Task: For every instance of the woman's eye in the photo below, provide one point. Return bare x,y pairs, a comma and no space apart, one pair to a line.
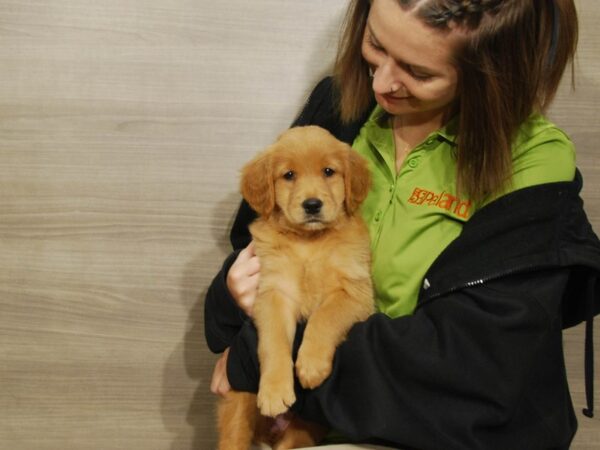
289,175
421,76
328,171
374,45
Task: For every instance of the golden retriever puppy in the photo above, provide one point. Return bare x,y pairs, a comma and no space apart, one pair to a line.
315,265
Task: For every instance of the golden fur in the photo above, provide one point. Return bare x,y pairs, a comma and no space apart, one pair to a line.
315,266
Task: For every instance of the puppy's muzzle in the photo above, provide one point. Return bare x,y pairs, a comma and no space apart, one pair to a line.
312,206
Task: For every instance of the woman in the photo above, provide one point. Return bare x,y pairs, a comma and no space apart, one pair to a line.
481,250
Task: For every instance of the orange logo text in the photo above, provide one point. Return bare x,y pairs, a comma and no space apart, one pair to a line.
449,202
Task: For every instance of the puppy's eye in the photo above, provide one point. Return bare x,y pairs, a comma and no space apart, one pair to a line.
290,175
328,171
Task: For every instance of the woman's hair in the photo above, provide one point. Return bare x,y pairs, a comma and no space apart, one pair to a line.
509,65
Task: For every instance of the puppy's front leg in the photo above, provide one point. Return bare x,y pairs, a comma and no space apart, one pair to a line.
326,329
275,320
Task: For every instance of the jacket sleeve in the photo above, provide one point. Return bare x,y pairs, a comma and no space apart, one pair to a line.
222,317
455,368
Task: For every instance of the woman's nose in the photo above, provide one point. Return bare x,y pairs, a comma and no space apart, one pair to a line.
385,78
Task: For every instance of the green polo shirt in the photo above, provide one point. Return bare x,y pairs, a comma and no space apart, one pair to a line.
413,214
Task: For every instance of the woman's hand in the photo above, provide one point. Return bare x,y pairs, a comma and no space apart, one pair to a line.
242,279
220,384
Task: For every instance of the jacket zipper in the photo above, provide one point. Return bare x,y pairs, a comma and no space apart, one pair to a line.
473,283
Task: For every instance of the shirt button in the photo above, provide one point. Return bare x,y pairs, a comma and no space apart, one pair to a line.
413,163
378,216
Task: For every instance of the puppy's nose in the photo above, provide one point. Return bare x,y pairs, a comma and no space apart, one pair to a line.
312,205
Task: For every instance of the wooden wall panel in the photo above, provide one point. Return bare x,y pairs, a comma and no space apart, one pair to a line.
123,126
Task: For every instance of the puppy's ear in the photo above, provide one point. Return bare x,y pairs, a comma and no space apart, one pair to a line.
256,184
357,180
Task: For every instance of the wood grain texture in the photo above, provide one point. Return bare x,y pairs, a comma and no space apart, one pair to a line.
123,126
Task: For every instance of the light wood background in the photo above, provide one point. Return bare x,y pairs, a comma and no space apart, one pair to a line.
123,126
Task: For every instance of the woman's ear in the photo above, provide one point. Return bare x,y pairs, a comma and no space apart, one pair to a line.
256,184
357,180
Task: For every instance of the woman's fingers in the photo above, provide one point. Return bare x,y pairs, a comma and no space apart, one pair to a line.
243,277
219,383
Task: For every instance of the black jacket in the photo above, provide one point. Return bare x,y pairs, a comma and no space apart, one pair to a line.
479,365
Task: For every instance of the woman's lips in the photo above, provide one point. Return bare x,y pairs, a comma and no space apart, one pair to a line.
393,98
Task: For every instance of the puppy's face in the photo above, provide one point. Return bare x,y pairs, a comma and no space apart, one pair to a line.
307,178
309,186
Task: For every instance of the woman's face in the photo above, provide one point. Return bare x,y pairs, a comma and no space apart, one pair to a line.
413,74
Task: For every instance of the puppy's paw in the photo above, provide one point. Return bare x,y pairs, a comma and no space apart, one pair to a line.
312,367
275,396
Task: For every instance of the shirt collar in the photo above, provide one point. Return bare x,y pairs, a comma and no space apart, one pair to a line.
378,128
